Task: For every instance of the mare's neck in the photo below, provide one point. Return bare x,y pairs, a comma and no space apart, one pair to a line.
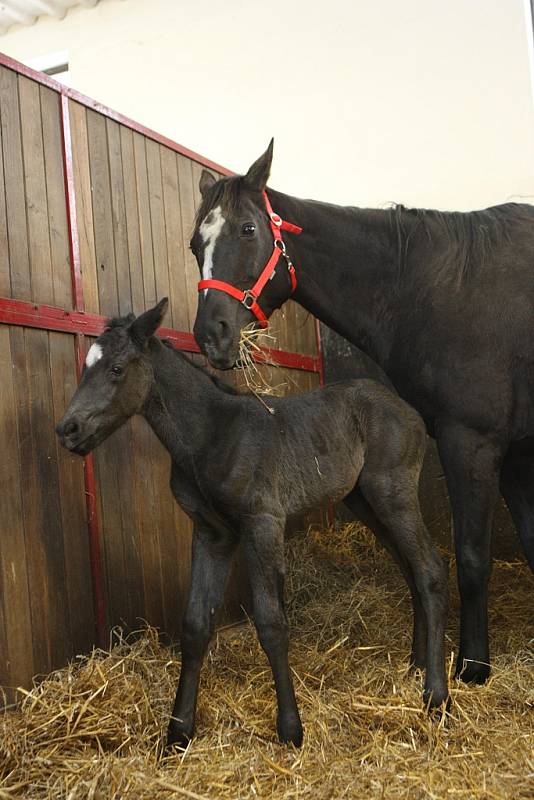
184,405
347,269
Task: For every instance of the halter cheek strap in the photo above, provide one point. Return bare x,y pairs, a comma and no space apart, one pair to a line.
249,298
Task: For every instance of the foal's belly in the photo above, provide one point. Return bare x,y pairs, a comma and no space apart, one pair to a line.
325,480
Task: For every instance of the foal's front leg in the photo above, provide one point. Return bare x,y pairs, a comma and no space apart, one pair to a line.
211,559
263,538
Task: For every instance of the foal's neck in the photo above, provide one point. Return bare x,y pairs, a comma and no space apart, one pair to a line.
347,268
184,406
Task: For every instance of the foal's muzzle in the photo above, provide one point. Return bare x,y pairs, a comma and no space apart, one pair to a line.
74,435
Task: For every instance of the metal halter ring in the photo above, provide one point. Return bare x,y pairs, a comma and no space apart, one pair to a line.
281,245
248,300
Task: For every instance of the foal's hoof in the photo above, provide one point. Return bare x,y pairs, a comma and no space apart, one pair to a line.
290,730
437,703
472,671
178,735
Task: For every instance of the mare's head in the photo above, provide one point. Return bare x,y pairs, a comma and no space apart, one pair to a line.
115,382
232,242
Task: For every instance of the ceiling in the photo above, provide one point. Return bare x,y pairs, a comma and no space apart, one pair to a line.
26,12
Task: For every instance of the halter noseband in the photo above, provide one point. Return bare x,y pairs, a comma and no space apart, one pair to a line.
249,298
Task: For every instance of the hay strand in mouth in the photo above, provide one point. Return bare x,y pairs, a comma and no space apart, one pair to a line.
257,376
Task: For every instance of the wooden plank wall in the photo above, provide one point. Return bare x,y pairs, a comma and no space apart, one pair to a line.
136,200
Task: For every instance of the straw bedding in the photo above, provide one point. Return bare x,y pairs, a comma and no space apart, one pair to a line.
92,730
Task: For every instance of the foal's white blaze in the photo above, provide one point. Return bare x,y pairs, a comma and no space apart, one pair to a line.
210,229
95,354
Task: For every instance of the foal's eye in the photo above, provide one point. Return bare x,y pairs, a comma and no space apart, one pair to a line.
116,370
248,229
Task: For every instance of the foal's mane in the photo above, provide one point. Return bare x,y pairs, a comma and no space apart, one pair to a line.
124,322
218,382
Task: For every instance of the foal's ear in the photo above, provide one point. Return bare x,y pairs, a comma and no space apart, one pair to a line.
258,174
206,182
147,324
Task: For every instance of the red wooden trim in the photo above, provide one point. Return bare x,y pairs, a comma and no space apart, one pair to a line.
50,318
93,526
67,92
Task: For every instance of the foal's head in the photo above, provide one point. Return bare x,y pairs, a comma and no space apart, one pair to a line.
115,381
232,242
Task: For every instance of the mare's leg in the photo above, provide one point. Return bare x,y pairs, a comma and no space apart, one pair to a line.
517,487
393,495
263,538
472,464
211,559
359,506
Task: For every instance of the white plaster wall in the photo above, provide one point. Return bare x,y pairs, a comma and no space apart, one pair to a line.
424,102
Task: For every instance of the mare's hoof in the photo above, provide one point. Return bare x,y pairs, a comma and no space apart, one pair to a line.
472,671
178,735
290,730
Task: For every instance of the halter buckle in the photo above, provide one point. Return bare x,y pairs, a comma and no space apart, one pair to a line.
248,300
276,219
281,245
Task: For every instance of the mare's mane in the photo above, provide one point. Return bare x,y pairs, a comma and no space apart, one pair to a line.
461,241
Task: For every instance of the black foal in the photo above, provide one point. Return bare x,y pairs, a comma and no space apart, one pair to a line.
239,473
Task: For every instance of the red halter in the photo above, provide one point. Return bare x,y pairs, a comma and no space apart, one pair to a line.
249,298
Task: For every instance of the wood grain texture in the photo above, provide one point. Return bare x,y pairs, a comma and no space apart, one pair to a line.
16,654
102,214
55,194
135,202
84,206
17,228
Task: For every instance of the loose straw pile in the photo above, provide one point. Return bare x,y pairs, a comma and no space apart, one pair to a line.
93,730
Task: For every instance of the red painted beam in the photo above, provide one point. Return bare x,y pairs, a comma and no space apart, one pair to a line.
50,318
93,524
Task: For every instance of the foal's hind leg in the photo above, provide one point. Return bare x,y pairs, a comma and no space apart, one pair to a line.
517,487
263,538
394,499
211,559
359,506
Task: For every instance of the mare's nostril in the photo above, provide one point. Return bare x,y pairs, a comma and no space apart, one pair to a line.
223,329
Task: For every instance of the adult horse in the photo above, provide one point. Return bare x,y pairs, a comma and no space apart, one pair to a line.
444,302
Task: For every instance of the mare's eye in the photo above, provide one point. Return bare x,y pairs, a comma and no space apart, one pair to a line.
116,370
248,229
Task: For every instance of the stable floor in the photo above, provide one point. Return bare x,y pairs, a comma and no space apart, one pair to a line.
93,730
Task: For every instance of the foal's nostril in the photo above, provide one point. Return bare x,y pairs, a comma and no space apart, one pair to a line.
71,428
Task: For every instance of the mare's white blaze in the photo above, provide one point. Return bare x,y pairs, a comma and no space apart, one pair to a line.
95,354
209,230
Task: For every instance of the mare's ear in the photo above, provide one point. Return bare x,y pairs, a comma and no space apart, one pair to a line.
258,174
206,182
147,324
